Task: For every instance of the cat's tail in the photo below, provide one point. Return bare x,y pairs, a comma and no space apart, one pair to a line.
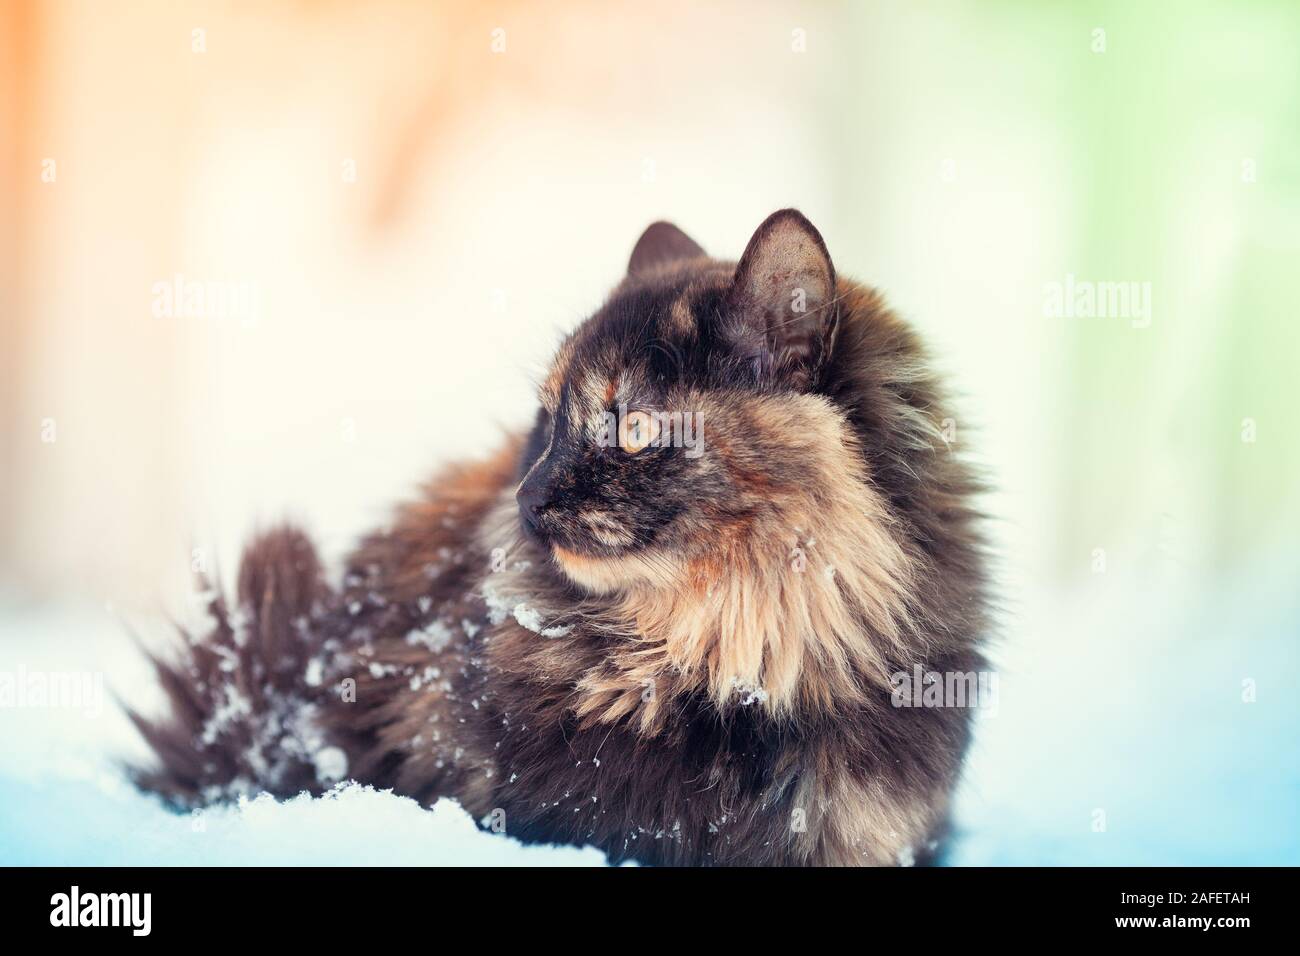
242,697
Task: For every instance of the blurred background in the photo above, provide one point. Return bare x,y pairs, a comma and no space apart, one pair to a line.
281,259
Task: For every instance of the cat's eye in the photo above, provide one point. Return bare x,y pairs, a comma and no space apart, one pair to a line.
636,431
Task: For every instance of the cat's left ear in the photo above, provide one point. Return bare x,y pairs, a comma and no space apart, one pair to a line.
780,312
660,245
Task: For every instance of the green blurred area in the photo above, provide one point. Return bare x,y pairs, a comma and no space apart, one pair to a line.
1143,142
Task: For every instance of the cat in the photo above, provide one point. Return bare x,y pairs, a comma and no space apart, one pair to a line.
663,622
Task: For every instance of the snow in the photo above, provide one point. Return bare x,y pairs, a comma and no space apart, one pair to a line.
1123,735
435,635
331,764
64,799
97,820
530,618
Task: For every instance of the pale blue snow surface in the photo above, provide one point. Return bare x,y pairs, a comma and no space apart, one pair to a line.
97,822
1164,731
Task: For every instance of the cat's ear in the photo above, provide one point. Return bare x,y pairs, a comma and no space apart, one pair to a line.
661,244
780,312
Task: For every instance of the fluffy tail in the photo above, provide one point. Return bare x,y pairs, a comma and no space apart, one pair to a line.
242,698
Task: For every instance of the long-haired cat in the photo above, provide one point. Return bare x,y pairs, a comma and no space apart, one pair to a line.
666,621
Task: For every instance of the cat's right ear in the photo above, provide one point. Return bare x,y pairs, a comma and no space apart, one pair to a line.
780,312
660,245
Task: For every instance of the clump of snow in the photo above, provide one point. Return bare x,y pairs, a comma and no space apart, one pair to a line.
530,618
435,635
233,708
749,693
498,607
428,676
331,764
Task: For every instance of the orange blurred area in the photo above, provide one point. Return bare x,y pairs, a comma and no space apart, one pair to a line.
381,216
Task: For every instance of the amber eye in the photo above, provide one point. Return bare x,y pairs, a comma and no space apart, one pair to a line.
636,431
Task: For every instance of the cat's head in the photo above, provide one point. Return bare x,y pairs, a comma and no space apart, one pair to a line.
688,414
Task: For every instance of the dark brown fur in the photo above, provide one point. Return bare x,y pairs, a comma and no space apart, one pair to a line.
571,680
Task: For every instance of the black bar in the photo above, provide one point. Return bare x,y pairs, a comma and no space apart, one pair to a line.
364,906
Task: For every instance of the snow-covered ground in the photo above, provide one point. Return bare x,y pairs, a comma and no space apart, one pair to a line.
1123,734
65,800
1157,729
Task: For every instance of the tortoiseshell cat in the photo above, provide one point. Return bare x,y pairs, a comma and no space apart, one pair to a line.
664,621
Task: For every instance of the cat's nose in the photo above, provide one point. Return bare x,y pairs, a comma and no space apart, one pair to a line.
532,498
